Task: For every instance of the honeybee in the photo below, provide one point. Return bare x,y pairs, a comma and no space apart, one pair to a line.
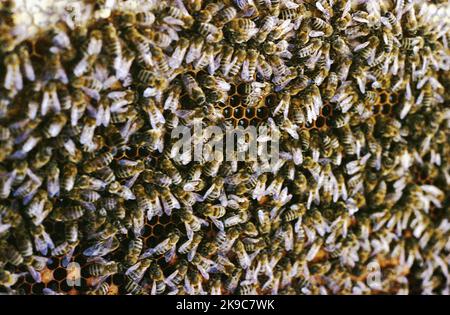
202,263
102,269
235,219
10,254
191,222
249,65
69,175
111,41
35,209
27,66
176,278
213,211
212,34
160,61
232,282
321,25
42,157
168,200
78,107
268,23
106,175
137,271
411,20
102,247
89,84
278,66
13,80
156,274
242,29
310,49
193,89
99,162
179,53
295,211
131,287
145,19
215,191
216,286
28,188
167,247
121,190
224,16
90,183
68,213
314,249
103,289
65,249
377,197
178,14
190,246
300,83
127,168
206,15
236,63
42,239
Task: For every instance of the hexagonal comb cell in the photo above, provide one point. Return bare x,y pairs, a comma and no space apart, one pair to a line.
385,102
241,111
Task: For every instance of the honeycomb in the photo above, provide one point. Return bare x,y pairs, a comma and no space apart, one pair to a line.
385,103
238,113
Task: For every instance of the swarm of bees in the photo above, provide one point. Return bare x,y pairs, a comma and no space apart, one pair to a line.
95,200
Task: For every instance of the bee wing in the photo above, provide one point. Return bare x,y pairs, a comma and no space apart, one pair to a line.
4,228
98,248
183,246
81,67
245,74
298,225
148,253
129,183
188,287
289,242
166,206
36,275
53,187
213,65
132,268
48,242
157,118
312,252
41,246
297,156
88,205
94,47
170,254
259,191
48,291
158,207
208,192
68,257
191,185
175,202
138,225
218,224
189,231
177,57
204,273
